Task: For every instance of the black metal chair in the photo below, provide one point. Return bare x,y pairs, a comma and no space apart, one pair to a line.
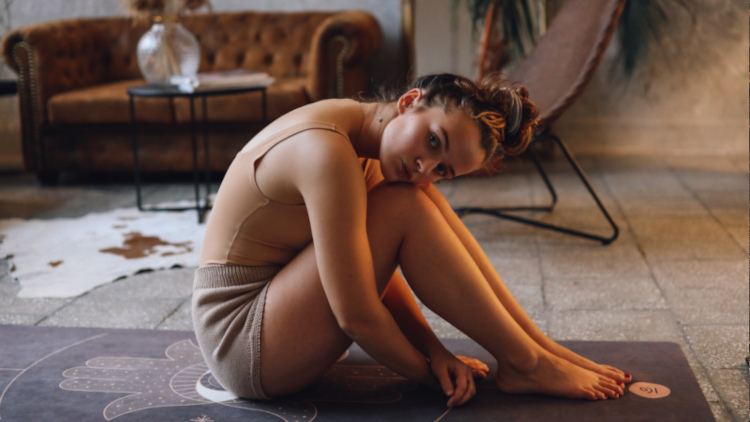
556,72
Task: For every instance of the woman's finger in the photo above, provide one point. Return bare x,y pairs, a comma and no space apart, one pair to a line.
445,381
462,386
468,394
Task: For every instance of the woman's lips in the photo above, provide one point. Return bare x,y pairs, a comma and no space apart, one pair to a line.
405,172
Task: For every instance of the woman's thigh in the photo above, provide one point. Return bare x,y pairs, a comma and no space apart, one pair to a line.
300,338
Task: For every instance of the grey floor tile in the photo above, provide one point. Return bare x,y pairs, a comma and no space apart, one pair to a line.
505,189
646,184
608,325
616,261
664,206
683,238
709,306
709,174
489,229
719,347
714,163
517,271
570,190
113,313
180,320
740,235
589,220
699,274
721,412
732,386
530,298
730,217
174,283
701,374
723,200
34,306
603,294
20,319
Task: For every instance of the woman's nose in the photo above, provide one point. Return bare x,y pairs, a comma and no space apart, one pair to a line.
425,165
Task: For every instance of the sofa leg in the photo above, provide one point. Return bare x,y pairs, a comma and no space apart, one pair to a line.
48,178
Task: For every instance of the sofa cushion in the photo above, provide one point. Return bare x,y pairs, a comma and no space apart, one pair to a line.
109,103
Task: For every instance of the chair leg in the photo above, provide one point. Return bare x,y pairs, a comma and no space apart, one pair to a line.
503,212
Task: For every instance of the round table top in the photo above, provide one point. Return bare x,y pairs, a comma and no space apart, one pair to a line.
150,90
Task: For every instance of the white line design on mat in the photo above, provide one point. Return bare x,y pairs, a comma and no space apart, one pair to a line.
33,364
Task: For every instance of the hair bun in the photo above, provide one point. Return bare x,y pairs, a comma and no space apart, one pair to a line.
516,140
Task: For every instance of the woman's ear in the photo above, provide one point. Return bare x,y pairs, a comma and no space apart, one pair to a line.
409,99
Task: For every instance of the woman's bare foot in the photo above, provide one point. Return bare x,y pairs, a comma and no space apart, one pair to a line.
550,375
605,370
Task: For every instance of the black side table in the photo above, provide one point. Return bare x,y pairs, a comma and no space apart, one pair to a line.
8,87
171,91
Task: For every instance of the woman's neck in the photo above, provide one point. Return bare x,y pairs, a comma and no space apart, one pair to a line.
376,118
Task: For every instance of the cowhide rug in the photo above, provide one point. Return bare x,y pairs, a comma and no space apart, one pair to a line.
67,257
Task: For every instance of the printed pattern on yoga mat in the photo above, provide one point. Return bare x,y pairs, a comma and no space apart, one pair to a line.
87,374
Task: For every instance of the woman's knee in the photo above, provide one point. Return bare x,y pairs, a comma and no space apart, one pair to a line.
400,199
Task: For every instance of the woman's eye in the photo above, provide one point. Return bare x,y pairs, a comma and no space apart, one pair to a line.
441,170
434,141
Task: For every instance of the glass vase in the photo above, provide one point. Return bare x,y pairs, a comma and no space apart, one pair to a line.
166,50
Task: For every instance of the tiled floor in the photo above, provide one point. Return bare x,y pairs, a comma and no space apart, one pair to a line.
678,271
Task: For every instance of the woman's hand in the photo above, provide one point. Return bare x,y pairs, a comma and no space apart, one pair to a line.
456,378
479,369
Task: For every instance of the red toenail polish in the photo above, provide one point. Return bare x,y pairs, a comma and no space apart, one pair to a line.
627,375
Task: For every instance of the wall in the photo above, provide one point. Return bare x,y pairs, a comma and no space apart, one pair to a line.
691,90
443,38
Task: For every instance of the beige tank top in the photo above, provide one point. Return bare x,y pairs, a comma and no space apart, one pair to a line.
246,227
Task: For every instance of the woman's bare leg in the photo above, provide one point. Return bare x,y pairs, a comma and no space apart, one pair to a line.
507,299
301,339
445,277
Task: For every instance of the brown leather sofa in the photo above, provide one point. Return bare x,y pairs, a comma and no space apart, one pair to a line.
73,76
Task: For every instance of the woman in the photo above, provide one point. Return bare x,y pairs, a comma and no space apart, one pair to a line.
301,251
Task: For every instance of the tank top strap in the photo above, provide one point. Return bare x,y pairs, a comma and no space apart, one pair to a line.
262,146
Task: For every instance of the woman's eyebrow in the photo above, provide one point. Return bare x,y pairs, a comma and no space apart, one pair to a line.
445,136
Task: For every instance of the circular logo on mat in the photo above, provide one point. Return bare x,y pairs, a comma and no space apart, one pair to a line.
649,390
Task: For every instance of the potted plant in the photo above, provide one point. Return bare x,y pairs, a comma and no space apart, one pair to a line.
510,28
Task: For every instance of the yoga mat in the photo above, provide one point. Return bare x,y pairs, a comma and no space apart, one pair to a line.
89,374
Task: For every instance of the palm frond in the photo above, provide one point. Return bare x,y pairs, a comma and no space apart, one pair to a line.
521,21
642,27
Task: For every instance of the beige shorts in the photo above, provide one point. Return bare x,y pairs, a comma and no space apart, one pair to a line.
228,303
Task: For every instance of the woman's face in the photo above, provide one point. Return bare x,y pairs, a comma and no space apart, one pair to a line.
423,145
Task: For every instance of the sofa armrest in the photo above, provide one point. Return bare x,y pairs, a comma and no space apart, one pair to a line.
54,57
60,56
341,47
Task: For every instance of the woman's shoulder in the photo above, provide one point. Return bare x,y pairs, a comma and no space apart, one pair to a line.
342,112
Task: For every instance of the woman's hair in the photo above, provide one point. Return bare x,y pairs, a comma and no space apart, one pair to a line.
503,113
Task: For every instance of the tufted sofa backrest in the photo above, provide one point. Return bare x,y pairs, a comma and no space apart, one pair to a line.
85,52
276,43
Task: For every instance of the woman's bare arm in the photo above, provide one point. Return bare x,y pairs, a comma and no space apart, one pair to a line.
327,174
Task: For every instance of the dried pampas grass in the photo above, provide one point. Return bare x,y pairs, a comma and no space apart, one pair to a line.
166,9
